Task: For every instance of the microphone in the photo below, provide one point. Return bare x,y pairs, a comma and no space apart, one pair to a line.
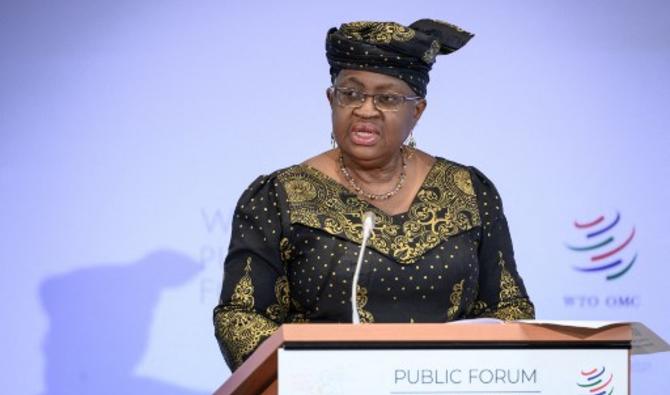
368,226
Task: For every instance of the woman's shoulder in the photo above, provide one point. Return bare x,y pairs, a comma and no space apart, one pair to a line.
317,165
476,175
474,187
468,178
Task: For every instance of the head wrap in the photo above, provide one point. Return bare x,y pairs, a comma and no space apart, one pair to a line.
407,53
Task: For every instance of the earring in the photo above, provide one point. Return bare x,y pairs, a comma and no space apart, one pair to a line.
333,143
410,146
411,143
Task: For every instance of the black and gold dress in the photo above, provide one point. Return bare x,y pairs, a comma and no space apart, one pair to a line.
295,242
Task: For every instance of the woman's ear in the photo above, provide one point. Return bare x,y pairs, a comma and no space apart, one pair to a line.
329,95
418,110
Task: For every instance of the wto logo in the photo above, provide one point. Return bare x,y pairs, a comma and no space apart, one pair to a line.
596,383
605,243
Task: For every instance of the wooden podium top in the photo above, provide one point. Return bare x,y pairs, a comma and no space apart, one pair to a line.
257,374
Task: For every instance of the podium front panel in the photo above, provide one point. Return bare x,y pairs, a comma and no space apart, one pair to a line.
597,371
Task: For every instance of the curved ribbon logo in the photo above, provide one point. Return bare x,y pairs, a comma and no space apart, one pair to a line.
606,254
596,382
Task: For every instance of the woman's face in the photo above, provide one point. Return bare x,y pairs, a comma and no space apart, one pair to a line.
367,134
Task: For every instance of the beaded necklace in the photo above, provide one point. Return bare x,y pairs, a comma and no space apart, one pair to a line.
374,196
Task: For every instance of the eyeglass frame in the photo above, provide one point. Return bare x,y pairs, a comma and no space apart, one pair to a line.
333,91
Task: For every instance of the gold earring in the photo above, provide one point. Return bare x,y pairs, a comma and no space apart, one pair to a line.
410,146
411,143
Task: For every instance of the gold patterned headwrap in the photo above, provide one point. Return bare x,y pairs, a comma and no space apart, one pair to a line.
407,53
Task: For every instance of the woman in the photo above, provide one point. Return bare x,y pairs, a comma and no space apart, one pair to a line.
441,249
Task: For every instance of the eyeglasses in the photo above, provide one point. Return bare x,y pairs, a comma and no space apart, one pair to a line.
349,97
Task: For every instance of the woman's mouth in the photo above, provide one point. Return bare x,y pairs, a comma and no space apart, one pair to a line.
364,134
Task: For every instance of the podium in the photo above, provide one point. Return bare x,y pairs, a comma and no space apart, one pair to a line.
456,358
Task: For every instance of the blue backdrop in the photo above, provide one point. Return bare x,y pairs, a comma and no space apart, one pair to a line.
129,129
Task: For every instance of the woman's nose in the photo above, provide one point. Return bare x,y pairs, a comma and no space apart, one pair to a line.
368,107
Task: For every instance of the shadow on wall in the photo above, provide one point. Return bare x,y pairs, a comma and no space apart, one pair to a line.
99,320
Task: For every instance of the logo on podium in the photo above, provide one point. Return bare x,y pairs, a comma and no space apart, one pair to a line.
596,382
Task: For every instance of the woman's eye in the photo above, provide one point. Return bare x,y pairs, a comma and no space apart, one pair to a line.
388,99
352,94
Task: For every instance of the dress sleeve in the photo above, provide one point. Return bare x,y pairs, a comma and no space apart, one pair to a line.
501,291
254,297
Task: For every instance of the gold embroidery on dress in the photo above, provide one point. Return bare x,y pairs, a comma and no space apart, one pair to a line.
238,327
243,293
478,308
299,318
377,32
444,206
508,288
299,190
242,332
286,250
298,315
455,299
361,300
512,305
279,310
464,182
520,309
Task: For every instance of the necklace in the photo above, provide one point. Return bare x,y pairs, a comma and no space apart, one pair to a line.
374,196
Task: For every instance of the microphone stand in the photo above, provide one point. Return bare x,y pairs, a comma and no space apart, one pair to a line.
368,225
